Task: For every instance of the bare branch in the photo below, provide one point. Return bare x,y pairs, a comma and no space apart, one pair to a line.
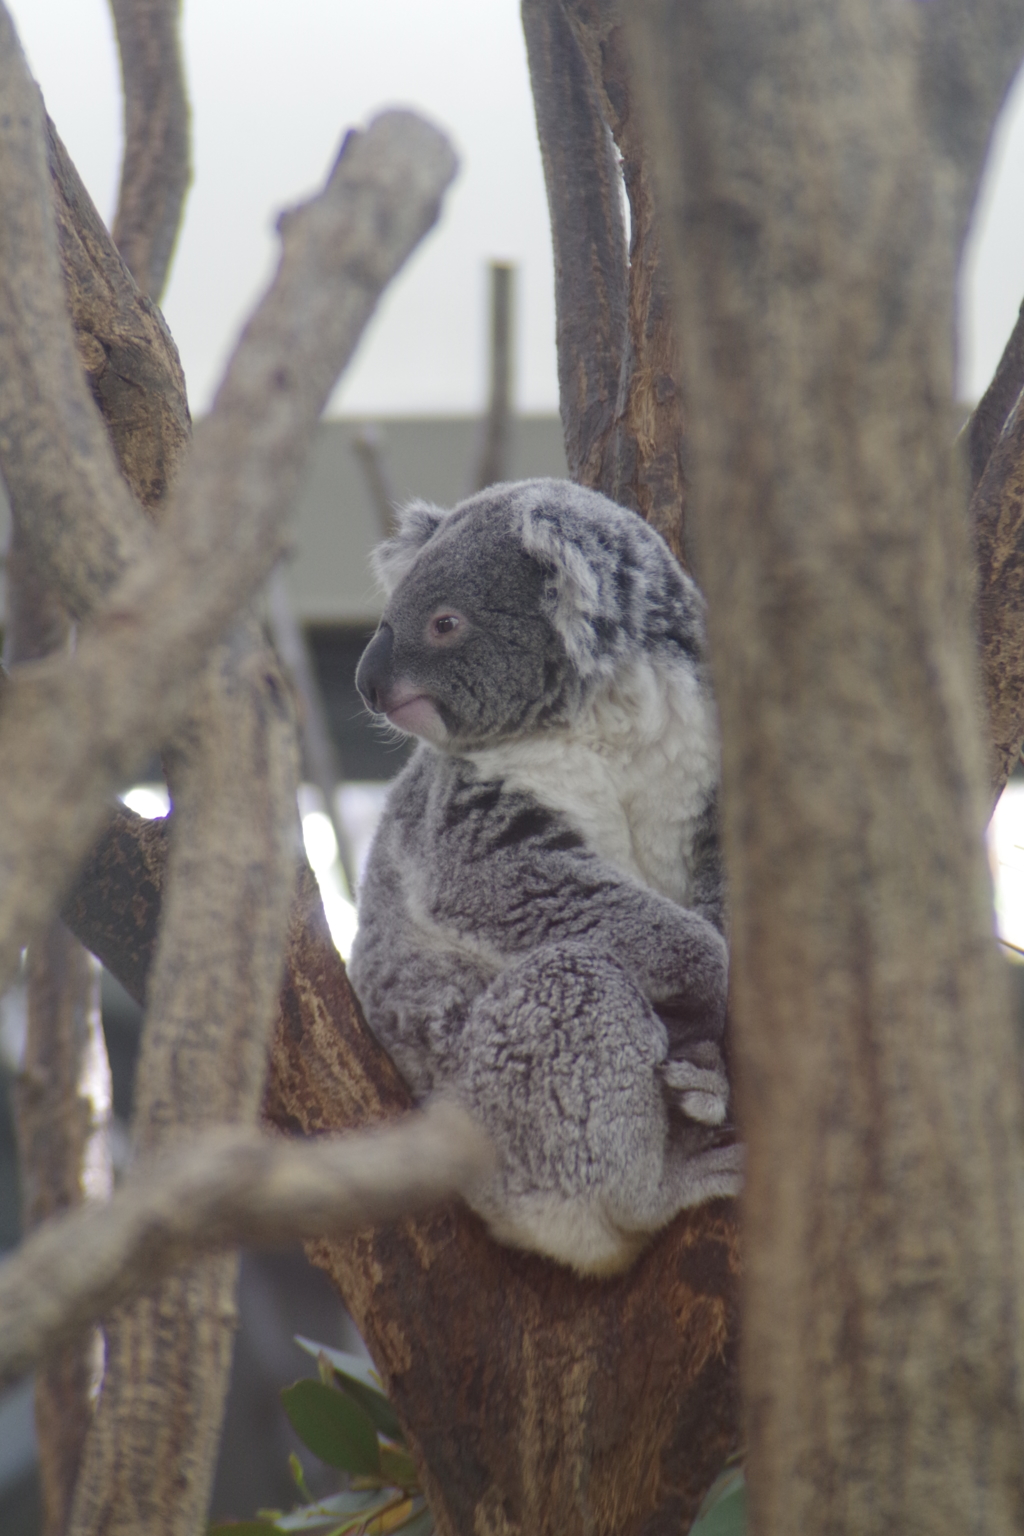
156,172
229,1187
646,463
114,907
997,520
588,235
56,457
992,412
71,733
131,363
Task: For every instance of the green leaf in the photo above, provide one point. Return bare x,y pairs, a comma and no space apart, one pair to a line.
333,1427
345,1364
419,1524
375,1405
398,1468
239,1528
358,1506
299,1477
362,1384
724,1511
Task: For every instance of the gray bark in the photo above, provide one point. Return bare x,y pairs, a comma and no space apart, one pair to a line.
816,166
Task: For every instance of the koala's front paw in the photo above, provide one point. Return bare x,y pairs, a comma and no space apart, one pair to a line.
698,1083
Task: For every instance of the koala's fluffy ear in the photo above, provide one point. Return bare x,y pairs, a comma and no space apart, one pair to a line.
578,596
418,521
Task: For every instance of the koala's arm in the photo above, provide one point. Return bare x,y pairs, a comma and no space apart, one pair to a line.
516,875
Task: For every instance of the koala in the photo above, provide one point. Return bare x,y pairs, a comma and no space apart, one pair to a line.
541,918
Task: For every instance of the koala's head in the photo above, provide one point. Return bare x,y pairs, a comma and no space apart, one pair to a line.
506,614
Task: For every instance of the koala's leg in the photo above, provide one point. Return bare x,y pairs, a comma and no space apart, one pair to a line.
562,1061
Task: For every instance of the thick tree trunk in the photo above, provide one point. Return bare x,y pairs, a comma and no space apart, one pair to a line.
815,192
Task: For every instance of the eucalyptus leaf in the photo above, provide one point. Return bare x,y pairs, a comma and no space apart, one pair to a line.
362,1384
313,1517
420,1524
239,1528
375,1405
354,1366
333,1427
724,1511
398,1467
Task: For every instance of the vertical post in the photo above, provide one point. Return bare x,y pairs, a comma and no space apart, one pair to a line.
497,433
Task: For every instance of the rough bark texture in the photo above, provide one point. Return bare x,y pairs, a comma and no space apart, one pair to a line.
54,1120
997,518
131,363
998,508
814,190
53,1123
648,457
156,172
588,237
995,406
151,1453
617,342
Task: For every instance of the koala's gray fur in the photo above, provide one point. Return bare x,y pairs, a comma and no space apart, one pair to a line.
540,923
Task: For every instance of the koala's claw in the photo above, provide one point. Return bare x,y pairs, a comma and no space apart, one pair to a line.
700,1086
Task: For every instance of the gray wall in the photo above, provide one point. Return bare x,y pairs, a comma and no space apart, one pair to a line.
337,525
329,577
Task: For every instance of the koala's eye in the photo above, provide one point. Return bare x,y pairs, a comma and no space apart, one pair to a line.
443,625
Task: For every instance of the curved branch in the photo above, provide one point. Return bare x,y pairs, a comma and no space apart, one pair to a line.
228,1187
72,732
997,520
992,412
131,363
156,171
588,236
647,460
57,461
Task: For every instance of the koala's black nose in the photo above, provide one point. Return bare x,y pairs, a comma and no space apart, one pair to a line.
374,671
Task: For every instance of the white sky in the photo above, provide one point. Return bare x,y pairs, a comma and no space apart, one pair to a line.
273,85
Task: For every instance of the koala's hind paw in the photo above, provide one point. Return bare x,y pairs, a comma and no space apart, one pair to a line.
699,1084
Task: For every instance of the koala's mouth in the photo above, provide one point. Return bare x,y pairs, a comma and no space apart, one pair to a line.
416,714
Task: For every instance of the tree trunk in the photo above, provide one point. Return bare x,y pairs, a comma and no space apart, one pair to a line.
814,193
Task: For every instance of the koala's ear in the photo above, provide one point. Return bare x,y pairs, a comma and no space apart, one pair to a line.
575,596
417,522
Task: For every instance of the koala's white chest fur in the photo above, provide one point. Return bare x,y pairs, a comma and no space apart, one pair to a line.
632,774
